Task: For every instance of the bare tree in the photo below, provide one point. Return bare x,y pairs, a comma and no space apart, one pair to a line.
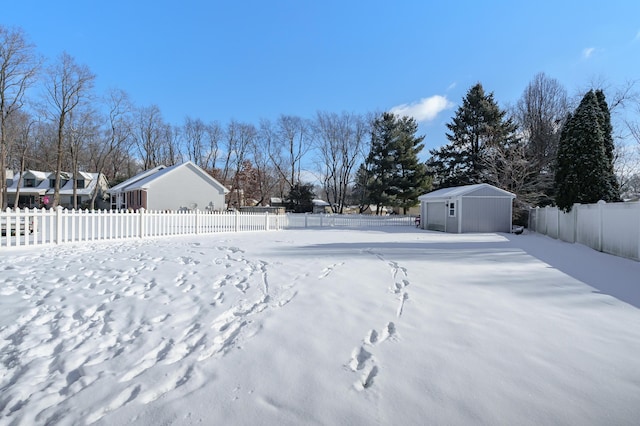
290,141
202,142
539,114
115,135
68,85
150,134
340,139
18,68
20,129
239,138
267,177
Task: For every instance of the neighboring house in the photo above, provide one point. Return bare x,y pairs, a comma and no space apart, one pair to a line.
320,206
470,208
181,187
35,189
373,210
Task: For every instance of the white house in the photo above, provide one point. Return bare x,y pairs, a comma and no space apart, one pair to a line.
471,208
35,189
178,187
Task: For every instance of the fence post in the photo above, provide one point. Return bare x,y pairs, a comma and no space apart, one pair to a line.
141,222
58,225
235,221
197,221
601,204
266,221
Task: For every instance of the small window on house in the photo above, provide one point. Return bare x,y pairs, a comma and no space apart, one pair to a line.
80,184
52,183
29,183
452,209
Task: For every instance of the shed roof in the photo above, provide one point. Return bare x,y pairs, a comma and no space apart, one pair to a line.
460,191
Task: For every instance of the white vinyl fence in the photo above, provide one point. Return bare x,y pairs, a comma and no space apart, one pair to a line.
611,228
34,227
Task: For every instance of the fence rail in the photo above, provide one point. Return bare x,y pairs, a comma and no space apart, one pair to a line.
34,227
611,228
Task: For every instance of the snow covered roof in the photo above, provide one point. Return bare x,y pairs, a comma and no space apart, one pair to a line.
43,185
318,202
458,191
122,186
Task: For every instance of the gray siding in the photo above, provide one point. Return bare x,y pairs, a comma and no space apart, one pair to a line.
436,216
486,214
183,188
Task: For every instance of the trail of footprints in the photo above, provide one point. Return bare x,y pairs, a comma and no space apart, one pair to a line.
363,360
50,331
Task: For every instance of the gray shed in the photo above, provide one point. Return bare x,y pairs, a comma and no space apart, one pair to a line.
470,208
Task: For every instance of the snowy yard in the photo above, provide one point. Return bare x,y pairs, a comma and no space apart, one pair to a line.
331,327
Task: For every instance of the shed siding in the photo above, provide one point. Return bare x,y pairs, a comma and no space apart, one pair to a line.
436,216
486,214
187,189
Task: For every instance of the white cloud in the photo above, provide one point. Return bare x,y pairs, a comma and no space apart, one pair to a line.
425,109
452,86
586,53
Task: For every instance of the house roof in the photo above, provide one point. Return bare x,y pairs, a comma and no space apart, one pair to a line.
458,191
144,179
121,187
91,180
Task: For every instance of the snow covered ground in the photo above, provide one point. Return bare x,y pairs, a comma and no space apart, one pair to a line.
331,327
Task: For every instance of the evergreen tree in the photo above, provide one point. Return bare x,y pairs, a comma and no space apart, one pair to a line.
478,127
609,146
300,198
395,175
584,166
410,179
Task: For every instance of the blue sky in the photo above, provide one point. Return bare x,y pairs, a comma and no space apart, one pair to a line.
248,60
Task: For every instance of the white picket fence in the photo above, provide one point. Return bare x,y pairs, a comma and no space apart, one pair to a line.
611,228
21,228
34,227
347,220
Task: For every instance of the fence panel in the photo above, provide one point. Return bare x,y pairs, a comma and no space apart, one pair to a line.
612,228
621,229
589,220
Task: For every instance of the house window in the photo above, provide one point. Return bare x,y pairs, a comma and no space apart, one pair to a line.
29,183
80,184
52,183
452,209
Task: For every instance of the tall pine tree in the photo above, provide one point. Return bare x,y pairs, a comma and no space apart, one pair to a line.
478,126
584,166
395,175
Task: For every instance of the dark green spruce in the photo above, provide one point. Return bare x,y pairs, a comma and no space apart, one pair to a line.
584,165
392,173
